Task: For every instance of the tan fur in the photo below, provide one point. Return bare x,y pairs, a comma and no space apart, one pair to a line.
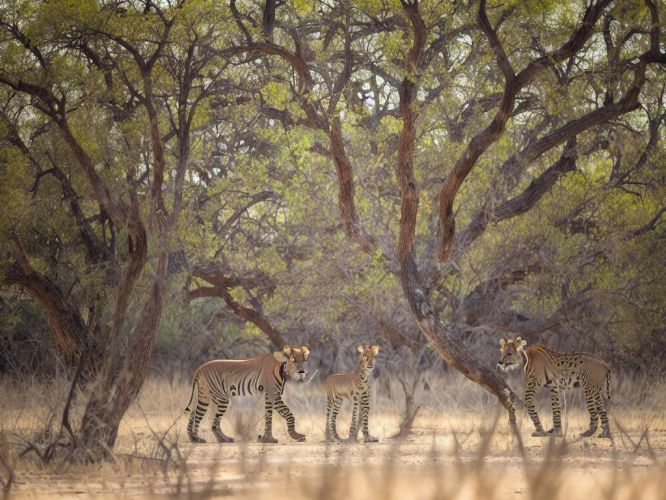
220,380
545,367
355,387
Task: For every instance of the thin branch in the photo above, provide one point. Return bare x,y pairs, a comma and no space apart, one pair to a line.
650,226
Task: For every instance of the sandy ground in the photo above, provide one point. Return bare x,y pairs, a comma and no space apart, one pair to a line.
451,453
421,466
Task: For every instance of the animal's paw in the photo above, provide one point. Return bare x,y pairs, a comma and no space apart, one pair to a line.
267,439
297,436
197,439
222,437
588,432
605,434
370,439
555,432
332,438
539,433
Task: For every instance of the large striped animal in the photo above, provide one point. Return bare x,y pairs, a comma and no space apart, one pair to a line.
219,380
356,387
555,370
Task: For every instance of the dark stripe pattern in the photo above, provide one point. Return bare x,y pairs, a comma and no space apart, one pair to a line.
218,384
360,397
564,371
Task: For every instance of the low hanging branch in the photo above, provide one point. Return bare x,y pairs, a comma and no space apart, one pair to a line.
221,287
70,333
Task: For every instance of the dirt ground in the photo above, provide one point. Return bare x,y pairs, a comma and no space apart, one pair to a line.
464,452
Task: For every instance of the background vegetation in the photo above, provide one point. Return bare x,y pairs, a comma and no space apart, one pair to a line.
186,180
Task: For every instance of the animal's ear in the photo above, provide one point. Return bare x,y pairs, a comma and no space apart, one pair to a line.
306,352
375,349
502,343
279,357
359,348
521,343
286,351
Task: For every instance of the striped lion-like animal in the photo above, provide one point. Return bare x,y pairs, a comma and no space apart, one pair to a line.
356,387
555,370
219,380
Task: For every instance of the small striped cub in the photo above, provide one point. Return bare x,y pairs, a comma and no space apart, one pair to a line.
354,386
555,370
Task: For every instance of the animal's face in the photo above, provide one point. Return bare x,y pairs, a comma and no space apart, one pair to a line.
295,359
511,354
367,355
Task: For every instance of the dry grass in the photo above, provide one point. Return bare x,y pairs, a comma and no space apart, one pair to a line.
460,447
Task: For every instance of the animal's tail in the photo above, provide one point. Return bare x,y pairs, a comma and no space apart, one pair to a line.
608,385
195,383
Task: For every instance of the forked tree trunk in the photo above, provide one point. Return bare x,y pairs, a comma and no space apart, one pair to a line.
452,350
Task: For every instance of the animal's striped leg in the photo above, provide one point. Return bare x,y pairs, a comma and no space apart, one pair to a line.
268,415
195,419
221,437
556,404
591,405
285,412
365,410
603,415
353,430
332,407
530,391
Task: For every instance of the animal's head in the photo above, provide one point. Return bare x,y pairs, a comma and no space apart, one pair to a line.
295,361
511,353
367,355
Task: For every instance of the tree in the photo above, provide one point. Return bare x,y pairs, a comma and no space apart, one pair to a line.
321,82
95,76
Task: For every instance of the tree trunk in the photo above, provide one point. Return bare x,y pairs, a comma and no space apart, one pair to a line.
452,350
449,348
113,396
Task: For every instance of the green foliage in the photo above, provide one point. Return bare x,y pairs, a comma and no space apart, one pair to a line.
249,134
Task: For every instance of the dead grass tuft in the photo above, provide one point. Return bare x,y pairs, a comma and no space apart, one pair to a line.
459,446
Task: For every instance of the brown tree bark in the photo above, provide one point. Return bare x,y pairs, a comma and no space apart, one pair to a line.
489,135
351,223
114,393
221,285
70,333
450,349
